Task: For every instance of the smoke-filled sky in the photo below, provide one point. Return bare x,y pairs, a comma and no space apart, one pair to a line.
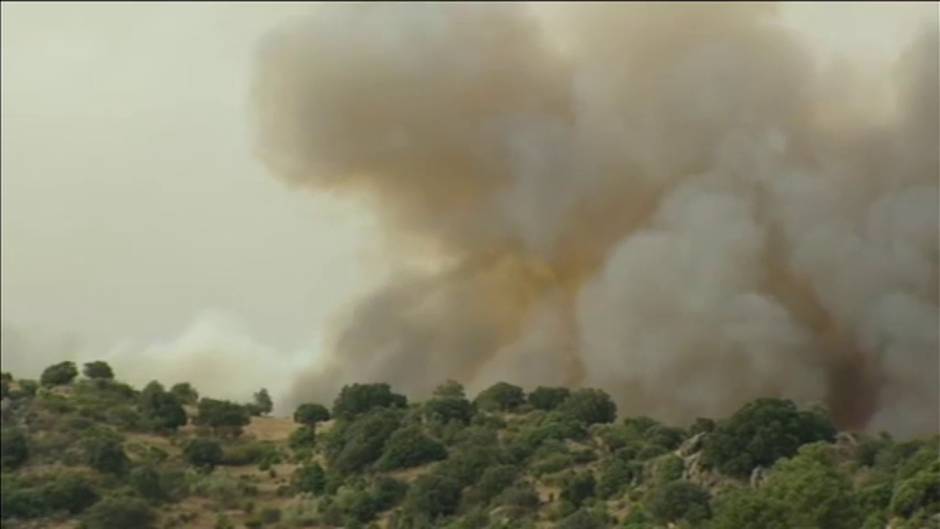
688,205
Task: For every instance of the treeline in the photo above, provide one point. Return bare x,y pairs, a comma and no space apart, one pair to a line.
553,457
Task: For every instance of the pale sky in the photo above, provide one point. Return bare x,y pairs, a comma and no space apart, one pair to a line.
134,212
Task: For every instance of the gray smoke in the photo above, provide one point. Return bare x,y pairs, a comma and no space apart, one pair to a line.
667,201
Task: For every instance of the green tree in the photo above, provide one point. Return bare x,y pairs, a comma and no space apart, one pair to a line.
262,404
185,393
98,370
224,417
161,408
545,398
815,491
409,447
59,374
762,432
120,513
446,409
501,396
450,390
358,399
361,442
590,406
204,454
680,500
310,414
747,508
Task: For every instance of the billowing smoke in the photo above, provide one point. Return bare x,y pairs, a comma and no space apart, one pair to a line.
672,202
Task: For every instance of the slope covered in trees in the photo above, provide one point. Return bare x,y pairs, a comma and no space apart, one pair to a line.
94,452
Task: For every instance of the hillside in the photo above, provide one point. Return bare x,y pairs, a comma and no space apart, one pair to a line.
91,451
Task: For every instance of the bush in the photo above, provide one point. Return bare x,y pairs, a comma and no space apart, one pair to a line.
446,409
589,406
71,493
746,508
302,438
59,374
762,432
105,453
615,476
578,487
409,447
388,492
450,389
162,409
146,481
310,414
358,399
310,479
98,370
120,513
14,448
185,393
548,399
224,417
494,481
204,454
433,495
467,463
361,442
500,397
680,500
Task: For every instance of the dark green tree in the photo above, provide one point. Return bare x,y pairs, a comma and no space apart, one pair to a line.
433,495
762,432
120,513
310,414
409,447
161,408
224,417
357,399
262,404
545,398
105,453
185,392
59,374
590,406
501,396
578,487
680,500
98,370
204,454
14,448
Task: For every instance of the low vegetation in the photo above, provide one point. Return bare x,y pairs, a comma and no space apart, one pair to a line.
90,451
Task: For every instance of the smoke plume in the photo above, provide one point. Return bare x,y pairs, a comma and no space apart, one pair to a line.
671,202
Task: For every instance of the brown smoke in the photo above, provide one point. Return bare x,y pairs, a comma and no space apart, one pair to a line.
668,201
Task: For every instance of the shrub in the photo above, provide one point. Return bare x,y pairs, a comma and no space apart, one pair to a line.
72,493
388,492
409,447
270,515
105,453
500,397
582,519
14,448
98,370
362,441
494,480
162,409
548,399
310,414
28,388
59,374
450,389
309,478
615,476
589,406
520,495
446,409
762,432
679,500
120,513
357,399
204,454
467,463
222,416
301,438
433,495
745,508
578,488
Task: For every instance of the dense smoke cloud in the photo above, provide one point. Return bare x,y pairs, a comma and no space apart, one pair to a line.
669,202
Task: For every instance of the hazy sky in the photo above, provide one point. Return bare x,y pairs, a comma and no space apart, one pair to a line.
135,216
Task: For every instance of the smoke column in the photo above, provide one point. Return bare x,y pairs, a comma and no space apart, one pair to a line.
671,202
